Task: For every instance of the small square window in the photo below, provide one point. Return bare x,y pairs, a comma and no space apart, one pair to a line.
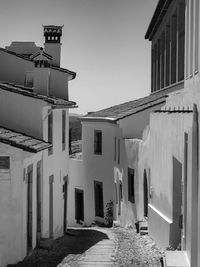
4,163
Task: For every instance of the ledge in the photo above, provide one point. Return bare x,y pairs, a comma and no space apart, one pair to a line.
160,214
176,259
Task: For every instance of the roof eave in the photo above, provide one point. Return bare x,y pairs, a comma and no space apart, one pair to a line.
142,109
99,119
23,147
159,13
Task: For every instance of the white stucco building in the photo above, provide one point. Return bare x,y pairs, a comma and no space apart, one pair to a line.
174,135
21,158
34,101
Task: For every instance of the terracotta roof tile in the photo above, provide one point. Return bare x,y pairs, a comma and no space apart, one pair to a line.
22,141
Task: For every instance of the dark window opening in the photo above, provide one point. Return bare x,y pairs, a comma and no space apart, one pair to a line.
50,131
97,142
4,163
63,129
118,151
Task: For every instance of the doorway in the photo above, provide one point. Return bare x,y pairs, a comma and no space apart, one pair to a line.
65,188
98,195
79,205
29,207
51,179
39,202
145,190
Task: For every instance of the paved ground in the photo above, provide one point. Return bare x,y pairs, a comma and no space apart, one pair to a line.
97,247
102,254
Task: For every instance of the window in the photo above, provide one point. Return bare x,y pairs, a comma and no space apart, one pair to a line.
4,163
50,131
63,129
118,151
120,191
120,198
131,189
97,142
115,149
116,196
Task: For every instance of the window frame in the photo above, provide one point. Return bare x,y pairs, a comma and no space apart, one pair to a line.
131,185
7,167
50,131
63,129
98,138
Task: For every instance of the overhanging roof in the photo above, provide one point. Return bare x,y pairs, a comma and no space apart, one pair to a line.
22,141
29,92
158,15
118,112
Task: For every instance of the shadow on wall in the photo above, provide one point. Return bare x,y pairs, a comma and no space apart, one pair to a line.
75,243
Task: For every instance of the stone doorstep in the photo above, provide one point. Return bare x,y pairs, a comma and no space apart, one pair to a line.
87,264
176,259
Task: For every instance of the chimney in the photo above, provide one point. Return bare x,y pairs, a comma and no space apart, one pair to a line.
52,43
41,72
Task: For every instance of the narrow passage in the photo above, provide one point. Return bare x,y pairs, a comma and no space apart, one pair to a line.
98,247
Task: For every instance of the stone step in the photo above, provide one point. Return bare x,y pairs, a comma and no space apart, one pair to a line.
143,228
144,232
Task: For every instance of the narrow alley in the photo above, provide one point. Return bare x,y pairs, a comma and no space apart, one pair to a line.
97,246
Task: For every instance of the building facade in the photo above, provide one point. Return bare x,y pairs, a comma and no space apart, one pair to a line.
34,100
174,161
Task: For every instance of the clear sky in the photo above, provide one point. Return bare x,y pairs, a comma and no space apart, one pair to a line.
103,42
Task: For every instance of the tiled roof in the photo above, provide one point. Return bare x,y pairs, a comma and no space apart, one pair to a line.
51,66
22,141
26,91
124,110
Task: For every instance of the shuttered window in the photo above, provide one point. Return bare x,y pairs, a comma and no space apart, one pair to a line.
98,142
131,186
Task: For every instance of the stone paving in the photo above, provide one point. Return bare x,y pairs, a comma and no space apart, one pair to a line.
101,254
